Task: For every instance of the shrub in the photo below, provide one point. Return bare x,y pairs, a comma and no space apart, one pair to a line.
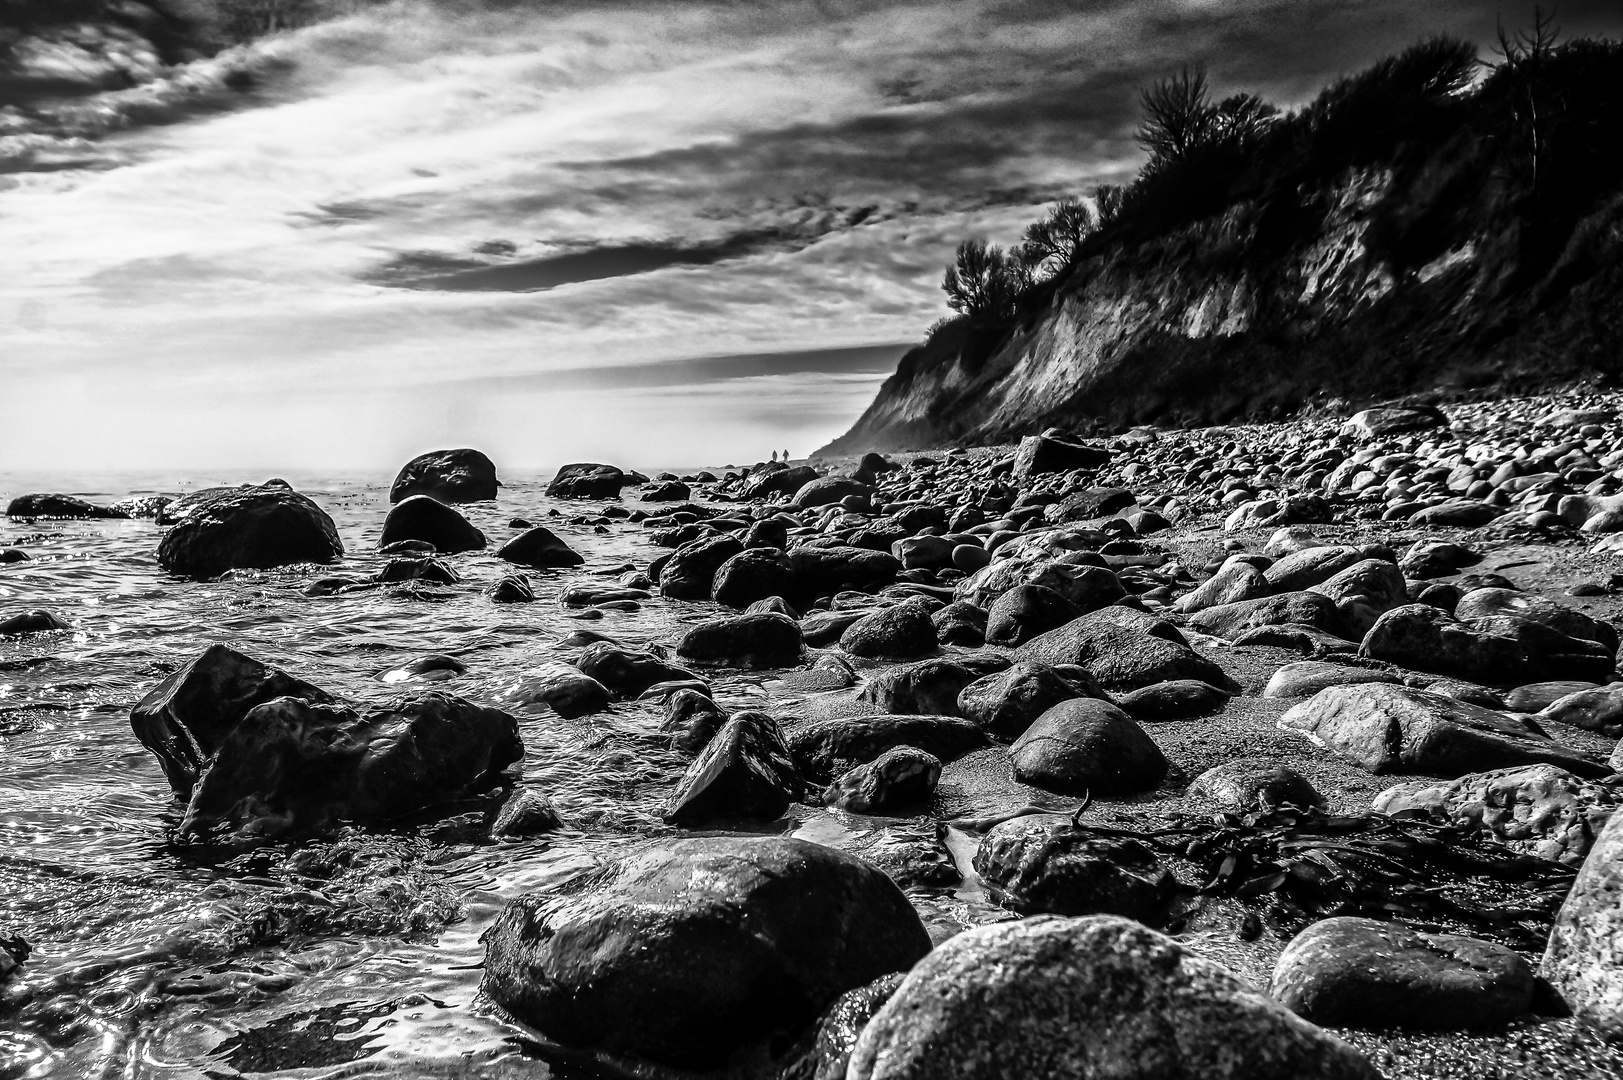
984,281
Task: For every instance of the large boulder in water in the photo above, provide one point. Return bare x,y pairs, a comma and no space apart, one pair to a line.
184,719
687,951
825,749
587,480
59,506
690,571
290,766
540,547
744,771
1096,997
451,476
421,517
249,528
824,571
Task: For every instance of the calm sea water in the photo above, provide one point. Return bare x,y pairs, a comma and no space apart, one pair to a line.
147,961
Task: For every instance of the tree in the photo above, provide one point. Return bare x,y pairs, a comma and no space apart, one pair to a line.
1178,115
1108,200
1055,242
1525,60
983,283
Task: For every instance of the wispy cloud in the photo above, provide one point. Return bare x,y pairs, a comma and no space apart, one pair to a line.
351,232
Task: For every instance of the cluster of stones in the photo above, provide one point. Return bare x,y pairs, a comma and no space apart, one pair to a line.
1033,610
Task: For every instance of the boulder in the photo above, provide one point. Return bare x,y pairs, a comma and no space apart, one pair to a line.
1085,745
930,687
690,571
1536,697
668,491
563,688
961,623
1493,650
1120,658
451,476
184,719
1538,809
779,481
768,639
587,480
825,749
692,720
1043,863
1393,420
511,589
1436,558
756,573
1176,699
1598,709
1364,591
1458,513
1235,581
37,621
923,552
291,766
1089,503
539,547
433,571
1100,997
420,517
527,812
1584,958
1040,454
1489,602
1249,784
744,771
249,528
628,672
1310,566
899,632
65,507
825,571
1004,705
1307,677
827,490
898,778
1025,611
686,952
1395,729
1231,621
1363,973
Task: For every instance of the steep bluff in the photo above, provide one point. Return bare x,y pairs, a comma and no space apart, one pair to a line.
1434,266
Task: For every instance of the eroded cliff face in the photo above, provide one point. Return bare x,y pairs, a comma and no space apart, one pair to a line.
1376,286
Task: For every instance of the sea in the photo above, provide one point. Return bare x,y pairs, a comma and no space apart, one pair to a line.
355,955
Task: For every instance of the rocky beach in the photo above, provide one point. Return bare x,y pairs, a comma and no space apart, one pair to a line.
1268,750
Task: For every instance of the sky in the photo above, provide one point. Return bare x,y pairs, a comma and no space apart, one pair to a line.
654,234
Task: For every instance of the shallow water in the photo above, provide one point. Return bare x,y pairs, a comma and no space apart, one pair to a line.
150,958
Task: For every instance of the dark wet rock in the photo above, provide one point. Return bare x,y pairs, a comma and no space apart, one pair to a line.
564,689
540,547
420,517
1535,697
291,766
433,571
1085,745
1363,973
1005,704
249,528
828,1049
771,604
1436,558
1121,658
923,552
779,482
1539,809
37,621
1089,503
12,555
184,719
141,506
1249,784
687,951
1492,650
1275,512
1303,639
1395,729
690,572
66,507
899,632
692,720
900,777
1307,677
628,671
961,623
1039,454
587,480
772,532
1584,958
744,771
511,589
825,749
824,571
1043,863
1176,699
1304,608
827,490
1599,709
1025,611
1393,420
433,668
765,640
527,812
823,628
929,686
753,574
1100,996
1308,567
1488,603
451,476
668,491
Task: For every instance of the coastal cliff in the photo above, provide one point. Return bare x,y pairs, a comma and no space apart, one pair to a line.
1426,258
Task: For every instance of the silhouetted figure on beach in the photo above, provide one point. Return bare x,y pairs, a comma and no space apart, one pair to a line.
774,456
